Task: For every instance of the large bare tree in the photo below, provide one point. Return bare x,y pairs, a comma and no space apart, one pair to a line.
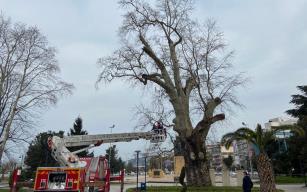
29,80
187,65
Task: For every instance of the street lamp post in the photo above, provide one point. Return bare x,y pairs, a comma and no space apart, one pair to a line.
145,171
137,169
110,152
21,160
145,158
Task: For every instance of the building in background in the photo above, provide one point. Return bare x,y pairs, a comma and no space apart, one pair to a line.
281,135
242,154
216,153
214,156
227,152
278,121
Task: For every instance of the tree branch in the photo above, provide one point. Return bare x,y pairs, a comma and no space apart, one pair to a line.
205,123
167,80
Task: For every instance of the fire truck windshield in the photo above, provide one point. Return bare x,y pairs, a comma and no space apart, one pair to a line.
57,180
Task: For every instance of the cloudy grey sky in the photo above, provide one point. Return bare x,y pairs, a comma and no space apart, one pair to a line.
269,39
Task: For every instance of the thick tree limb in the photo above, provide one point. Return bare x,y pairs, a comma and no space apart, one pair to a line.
189,85
148,50
205,123
210,107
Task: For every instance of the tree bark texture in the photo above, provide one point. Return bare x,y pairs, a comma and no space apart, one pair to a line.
196,163
266,174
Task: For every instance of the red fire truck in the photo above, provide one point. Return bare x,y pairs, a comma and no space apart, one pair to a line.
84,174
75,179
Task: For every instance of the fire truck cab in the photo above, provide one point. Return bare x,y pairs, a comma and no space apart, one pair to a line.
95,175
59,179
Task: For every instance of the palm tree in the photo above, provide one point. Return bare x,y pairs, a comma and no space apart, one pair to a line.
259,139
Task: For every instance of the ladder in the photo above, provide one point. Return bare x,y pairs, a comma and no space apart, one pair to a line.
65,157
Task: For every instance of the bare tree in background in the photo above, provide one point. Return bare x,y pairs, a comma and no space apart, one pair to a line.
187,66
8,165
29,80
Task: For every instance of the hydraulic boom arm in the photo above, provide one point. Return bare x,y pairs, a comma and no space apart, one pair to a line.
67,158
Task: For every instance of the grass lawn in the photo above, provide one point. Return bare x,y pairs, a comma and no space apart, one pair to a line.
198,189
289,180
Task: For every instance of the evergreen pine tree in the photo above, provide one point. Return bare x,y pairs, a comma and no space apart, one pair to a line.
77,130
116,163
298,145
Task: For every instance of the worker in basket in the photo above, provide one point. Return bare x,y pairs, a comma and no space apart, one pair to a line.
158,128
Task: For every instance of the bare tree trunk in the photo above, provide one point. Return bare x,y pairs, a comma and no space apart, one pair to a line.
6,129
4,137
196,164
266,174
2,146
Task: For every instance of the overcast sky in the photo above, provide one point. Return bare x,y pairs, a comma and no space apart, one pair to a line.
269,39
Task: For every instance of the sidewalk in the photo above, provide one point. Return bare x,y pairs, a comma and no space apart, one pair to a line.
4,185
290,187
293,188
